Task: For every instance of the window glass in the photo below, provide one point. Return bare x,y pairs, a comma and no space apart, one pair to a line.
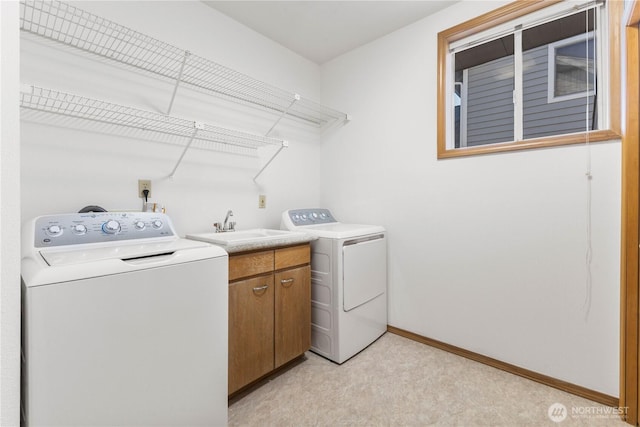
484,84
558,73
574,68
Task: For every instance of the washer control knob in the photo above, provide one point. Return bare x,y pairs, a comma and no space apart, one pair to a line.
304,217
54,230
139,225
111,227
157,224
323,215
79,229
314,215
296,217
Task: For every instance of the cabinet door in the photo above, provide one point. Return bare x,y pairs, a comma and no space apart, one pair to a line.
292,313
250,330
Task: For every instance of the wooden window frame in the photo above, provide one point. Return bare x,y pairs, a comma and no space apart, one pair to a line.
503,15
629,252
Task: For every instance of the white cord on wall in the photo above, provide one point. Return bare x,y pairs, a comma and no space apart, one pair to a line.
588,173
589,252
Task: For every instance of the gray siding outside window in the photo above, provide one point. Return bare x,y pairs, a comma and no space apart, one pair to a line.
542,118
490,107
490,102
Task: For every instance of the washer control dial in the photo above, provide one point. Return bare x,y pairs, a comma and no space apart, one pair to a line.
111,227
79,229
139,225
54,230
157,224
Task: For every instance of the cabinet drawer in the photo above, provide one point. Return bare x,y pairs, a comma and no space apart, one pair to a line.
291,257
250,264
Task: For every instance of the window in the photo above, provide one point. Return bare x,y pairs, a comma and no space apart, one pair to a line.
528,75
571,68
485,79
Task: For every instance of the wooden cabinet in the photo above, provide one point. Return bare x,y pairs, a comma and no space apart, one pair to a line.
269,311
292,326
251,330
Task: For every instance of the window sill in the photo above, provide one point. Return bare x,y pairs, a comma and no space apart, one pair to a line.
529,144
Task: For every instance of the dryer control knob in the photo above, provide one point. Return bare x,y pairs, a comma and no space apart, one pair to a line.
54,230
111,227
157,224
139,225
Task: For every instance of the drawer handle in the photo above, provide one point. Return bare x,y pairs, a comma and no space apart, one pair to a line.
286,282
260,289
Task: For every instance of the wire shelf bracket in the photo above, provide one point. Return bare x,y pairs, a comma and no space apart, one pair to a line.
284,144
175,88
196,127
296,98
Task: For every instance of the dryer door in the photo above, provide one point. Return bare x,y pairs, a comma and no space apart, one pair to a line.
364,262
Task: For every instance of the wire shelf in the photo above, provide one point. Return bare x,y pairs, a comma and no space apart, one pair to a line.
74,27
213,138
66,104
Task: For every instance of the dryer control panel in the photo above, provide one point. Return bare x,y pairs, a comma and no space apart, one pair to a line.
301,217
98,227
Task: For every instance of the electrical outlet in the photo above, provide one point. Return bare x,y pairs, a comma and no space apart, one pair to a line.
144,184
262,201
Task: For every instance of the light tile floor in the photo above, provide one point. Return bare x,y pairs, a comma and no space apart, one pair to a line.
399,382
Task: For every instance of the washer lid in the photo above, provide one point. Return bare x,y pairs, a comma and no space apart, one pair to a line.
68,265
338,230
122,251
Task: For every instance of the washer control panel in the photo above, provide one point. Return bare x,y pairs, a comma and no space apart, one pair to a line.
96,227
300,217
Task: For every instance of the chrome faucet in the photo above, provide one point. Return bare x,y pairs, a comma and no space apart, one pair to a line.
226,219
226,226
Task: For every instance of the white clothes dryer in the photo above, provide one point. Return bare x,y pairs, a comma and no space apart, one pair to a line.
124,323
348,282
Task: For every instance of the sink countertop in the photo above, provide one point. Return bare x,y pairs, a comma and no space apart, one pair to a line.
286,240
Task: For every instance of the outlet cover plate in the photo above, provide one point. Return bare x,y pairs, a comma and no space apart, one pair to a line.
144,184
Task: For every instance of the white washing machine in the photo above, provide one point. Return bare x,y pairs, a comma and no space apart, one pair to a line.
348,282
124,323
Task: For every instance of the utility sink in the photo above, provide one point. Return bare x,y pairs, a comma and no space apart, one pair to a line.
256,237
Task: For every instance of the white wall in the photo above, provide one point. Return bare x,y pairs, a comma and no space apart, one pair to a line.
9,217
486,253
65,169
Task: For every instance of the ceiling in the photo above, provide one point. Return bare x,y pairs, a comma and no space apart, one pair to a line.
322,30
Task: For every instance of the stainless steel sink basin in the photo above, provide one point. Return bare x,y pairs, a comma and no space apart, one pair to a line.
255,236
